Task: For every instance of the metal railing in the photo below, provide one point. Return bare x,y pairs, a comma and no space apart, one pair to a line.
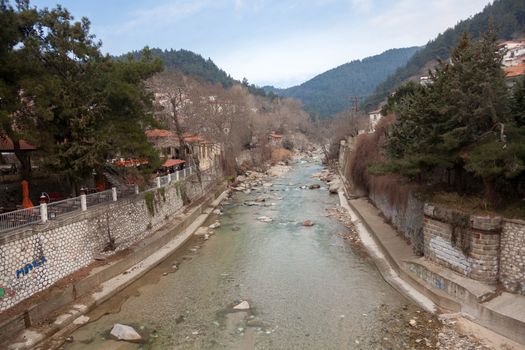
19,218
24,217
99,197
58,208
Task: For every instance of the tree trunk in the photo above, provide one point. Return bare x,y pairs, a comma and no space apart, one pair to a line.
459,178
491,194
25,161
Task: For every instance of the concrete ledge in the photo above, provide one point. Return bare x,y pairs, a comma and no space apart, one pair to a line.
144,255
506,317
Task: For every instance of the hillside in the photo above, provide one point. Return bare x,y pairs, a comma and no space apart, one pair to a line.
190,63
507,15
332,92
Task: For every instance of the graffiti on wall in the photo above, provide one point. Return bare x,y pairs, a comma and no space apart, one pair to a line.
427,276
6,292
36,263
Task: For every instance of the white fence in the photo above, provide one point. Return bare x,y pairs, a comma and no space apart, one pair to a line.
44,212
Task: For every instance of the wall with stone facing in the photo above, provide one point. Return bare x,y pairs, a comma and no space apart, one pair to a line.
475,251
512,261
34,258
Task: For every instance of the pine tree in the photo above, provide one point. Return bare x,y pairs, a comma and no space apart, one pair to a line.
454,122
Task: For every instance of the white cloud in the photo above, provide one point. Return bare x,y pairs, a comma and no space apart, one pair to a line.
425,19
363,5
163,13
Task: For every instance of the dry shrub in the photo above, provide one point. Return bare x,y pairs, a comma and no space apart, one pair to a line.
367,150
280,155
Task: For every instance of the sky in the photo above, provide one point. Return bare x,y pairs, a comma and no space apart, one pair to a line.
270,42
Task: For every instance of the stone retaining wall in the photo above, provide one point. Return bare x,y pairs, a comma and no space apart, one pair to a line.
512,261
35,258
466,244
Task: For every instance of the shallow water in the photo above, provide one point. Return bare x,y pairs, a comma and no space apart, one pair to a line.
307,288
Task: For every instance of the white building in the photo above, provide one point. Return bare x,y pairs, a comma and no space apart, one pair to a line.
375,117
515,54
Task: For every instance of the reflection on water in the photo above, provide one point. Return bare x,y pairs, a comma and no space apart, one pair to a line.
307,288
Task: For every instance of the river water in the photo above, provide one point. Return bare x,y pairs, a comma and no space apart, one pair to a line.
307,288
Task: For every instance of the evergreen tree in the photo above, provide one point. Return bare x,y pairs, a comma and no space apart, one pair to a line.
453,122
61,93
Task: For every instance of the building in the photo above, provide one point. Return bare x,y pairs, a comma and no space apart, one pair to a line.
167,144
375,117
515,53
275,139
514,73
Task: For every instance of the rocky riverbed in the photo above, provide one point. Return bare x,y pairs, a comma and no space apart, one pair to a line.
257,277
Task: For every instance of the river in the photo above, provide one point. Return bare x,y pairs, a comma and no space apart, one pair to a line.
307,287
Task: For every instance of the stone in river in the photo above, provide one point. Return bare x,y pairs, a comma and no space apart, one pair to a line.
264,219
244,305
308,223
81,320
215,225
314,186
123,332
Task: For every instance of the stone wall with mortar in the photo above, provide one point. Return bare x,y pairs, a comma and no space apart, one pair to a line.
35,258
512,261
467,244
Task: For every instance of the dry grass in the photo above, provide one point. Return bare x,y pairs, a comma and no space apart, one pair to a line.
478,205
367,150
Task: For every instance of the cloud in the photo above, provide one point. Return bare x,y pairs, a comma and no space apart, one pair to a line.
415,16
163,13
363,5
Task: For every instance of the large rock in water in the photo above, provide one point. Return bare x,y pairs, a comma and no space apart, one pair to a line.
314,186
123,332
335,186
308,223
244,305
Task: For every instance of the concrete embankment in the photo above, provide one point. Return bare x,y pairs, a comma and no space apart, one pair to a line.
63,308
430,284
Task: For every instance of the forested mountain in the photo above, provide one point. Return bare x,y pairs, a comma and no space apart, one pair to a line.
332,92
190,63
508,17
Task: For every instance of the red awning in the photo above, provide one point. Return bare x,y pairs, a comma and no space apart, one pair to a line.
159,133
172,162
130,163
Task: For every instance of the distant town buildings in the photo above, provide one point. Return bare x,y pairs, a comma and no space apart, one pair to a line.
514,61
425,80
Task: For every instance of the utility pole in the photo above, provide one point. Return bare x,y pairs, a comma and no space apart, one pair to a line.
356,101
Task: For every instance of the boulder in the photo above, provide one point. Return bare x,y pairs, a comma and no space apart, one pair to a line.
260,199
308,223
215,225
244,305
314,186
81,320
264,219
127,333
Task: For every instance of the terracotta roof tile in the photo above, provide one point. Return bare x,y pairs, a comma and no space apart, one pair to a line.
515,71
